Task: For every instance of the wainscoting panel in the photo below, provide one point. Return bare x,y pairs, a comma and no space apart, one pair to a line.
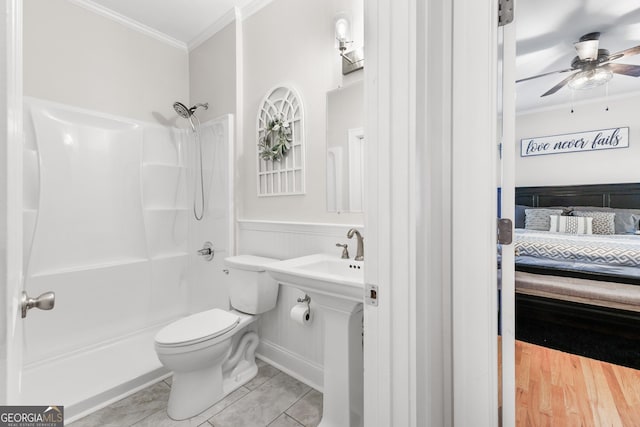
296,349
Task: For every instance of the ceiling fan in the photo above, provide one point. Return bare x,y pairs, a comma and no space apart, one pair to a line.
593,66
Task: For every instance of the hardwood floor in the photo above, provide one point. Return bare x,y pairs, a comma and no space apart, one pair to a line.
561,389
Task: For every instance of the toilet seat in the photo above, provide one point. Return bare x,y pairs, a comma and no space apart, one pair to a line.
197,328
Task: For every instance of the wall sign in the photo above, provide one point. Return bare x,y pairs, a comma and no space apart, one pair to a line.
603,139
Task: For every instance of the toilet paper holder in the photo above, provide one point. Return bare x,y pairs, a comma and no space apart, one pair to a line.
306,299
301,312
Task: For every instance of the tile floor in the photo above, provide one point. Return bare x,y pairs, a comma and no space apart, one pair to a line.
272,399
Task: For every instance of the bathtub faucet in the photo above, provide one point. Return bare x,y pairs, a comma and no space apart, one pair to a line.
207,251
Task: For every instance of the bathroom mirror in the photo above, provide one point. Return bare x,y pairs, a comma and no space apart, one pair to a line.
345,148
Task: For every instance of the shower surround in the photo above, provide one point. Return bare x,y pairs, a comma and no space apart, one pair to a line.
108,226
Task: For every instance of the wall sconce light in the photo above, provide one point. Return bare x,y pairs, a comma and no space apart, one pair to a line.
353,60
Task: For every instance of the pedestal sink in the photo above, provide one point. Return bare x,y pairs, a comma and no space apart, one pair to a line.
337,287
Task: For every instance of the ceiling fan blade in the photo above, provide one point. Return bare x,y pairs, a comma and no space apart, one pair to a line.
545,74
623,53
558,86
625,69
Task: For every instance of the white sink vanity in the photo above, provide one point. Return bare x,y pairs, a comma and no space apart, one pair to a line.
337,287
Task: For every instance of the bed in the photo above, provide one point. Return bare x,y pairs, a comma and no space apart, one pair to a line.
622,200
584,282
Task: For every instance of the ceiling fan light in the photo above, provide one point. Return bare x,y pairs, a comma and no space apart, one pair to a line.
587,50
589,79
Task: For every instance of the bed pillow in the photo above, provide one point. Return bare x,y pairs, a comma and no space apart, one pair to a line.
571,224
603,222
539,218
636,223
624,220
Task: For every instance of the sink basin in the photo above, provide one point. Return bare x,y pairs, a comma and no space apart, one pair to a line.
323,274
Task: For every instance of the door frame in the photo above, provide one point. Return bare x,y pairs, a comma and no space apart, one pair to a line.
430,217
13,280
508,151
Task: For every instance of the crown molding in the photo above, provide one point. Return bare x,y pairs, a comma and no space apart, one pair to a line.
130,23
232,15
253,7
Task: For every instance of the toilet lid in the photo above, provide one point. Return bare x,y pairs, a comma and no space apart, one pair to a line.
197,327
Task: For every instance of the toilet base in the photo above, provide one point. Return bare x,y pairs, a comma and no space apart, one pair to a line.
184,403
242,374
195,391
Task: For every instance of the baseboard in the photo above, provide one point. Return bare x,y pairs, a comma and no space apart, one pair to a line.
292,364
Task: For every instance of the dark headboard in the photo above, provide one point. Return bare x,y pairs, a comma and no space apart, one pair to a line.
604,195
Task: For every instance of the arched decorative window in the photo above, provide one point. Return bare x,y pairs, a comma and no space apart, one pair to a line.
280,154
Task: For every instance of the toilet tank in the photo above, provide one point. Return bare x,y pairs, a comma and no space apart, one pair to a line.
251,289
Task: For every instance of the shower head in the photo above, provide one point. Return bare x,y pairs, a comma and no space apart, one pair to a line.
185,112
182,110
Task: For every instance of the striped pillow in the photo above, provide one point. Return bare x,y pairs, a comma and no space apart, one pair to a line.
571,224
603,222
538,219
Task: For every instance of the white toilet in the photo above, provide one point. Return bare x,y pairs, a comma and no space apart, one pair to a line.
212,353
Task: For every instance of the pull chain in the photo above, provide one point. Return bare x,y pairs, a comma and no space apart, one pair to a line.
572,98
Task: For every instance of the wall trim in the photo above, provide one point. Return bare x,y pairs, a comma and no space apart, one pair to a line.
291,364
309,228
130,23
214,28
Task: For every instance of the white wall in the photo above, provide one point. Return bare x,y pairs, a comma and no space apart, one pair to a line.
292,42
595,167
212,74
76,57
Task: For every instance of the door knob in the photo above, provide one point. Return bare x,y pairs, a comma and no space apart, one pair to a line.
45,301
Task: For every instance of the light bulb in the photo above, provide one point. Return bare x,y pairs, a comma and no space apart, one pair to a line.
589,79
342,29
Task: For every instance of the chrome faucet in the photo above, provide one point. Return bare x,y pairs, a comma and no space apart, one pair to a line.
360,250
